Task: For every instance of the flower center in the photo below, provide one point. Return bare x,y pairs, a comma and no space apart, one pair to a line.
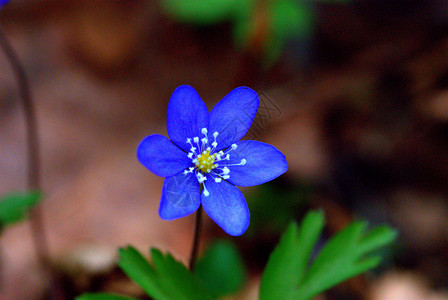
205,161
208,162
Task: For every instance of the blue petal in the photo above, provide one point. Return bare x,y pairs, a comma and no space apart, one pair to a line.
233,116
187,115
226,205
162,157
180,196
263,163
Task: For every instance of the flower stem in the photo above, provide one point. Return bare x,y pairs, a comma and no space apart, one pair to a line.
197,233
33,179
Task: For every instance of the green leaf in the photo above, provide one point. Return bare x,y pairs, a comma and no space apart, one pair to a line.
177,279
221,270
203,12
288,262
103,296
141,272
15,207
347,254
167,279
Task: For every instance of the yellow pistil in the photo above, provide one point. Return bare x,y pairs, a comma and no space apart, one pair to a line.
206,161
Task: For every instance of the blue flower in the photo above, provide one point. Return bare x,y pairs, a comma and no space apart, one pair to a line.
205,159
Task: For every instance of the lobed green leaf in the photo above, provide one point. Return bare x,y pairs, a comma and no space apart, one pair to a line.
167,279
141,272
176,280
347,254
287,264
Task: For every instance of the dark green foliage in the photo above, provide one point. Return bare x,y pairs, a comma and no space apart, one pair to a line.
221,270
284,19
273,205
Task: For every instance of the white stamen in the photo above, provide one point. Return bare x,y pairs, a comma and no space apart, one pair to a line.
196,139
201,178
218,179
206,193
204,130
190,170
234,146
215,143
242,163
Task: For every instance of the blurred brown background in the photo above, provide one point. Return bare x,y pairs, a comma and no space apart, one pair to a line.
362,118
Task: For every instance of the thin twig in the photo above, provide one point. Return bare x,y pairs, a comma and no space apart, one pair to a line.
197,233
33,178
